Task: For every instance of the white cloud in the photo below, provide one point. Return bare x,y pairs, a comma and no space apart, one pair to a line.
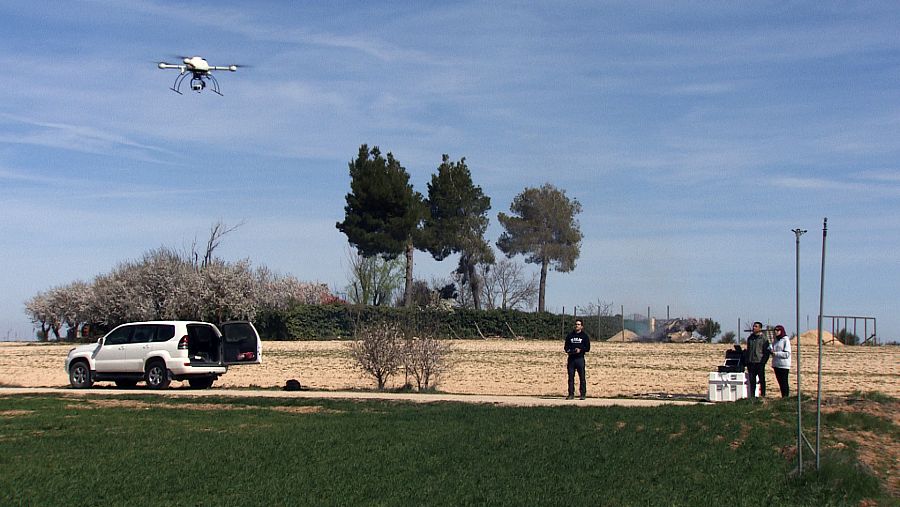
886,175
77,138
870,188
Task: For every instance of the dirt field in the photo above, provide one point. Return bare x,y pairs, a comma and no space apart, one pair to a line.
510,367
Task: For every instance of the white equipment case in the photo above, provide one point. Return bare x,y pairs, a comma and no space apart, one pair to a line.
728,386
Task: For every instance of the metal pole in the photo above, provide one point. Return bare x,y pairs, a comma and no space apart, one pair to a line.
821,312
797,233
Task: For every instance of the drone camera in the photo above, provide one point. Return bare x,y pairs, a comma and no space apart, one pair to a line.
197,85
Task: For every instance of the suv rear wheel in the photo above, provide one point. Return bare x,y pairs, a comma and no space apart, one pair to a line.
157,375
80,375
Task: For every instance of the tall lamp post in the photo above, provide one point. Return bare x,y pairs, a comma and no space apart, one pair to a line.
797,233
819,374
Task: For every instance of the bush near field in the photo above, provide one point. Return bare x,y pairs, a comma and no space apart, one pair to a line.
327,322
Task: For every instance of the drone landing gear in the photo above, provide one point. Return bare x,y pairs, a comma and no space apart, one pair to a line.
177,86
215,85
198,83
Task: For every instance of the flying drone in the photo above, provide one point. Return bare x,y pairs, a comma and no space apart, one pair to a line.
200,71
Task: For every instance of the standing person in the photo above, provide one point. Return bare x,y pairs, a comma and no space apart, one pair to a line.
758,350
577,343
781,359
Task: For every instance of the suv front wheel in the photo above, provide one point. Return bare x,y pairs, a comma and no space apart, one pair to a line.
80,375
157,375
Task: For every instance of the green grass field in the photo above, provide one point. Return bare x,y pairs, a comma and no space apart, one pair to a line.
228,451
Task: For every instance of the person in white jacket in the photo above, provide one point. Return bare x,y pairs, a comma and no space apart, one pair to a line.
781,359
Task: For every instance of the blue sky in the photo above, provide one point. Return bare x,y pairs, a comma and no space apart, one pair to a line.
695,135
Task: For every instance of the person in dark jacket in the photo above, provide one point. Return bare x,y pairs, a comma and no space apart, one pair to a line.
577,343
758,351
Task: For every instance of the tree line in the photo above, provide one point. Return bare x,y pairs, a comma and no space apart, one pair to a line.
385,217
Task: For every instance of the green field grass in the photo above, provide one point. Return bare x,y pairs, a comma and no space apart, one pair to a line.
153,451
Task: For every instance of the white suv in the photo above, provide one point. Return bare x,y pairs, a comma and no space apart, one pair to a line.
158,352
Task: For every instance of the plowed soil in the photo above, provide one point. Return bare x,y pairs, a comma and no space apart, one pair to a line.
511,367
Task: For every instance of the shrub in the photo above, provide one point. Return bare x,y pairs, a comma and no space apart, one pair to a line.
426,359
846,337
379,351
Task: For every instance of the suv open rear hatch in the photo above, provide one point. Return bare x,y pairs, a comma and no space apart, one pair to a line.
240,343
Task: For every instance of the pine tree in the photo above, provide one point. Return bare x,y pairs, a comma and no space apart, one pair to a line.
457,220
383,211
544,229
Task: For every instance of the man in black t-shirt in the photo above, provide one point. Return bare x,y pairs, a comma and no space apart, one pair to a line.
577,343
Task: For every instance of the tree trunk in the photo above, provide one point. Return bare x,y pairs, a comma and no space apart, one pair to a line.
541,291
474,284
408,294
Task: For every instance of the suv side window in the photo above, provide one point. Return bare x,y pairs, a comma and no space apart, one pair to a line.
143,334
119,337
164,332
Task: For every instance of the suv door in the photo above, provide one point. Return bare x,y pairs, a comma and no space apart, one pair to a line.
110,357
240,343
142,339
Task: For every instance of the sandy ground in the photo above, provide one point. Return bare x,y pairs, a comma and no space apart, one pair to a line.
509,367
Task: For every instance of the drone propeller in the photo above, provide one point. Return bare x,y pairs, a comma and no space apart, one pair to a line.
181,59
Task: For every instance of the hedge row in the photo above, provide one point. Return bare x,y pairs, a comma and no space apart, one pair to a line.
326,322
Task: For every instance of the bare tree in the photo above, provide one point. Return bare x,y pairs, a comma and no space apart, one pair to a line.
427,359
379,351
216,232
601,308
506,286
373,280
